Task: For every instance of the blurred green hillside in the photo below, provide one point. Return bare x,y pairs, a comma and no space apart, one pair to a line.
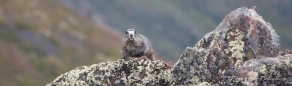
41,39
172,25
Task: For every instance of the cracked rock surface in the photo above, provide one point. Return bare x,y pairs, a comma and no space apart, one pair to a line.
242,50
133,71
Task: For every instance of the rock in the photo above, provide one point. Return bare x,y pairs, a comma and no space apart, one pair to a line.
241,36
132,71
261,72
242,50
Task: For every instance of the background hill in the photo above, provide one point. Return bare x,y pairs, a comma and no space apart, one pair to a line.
41,39
165,22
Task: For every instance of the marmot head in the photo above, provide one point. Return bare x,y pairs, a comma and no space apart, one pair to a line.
130,33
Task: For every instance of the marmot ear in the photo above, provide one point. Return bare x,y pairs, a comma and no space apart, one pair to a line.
126,32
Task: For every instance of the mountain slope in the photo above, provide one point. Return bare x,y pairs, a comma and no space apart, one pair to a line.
41,39
166,22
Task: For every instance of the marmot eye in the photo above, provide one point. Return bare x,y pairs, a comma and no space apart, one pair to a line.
126,32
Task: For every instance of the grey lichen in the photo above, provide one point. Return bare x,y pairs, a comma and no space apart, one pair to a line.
132,71
268,70
241,36
242,50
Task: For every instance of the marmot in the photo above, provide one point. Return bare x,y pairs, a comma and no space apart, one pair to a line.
136,45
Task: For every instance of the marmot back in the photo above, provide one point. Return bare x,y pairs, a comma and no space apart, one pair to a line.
136,45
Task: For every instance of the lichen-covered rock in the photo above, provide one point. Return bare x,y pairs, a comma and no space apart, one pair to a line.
242,50
241,36
134,71
261,72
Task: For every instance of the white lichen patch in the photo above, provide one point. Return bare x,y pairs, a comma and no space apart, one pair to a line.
236,46
262,69
215,60
252,76
255,16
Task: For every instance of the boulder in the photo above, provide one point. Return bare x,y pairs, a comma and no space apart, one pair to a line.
132,71
242,50
241,36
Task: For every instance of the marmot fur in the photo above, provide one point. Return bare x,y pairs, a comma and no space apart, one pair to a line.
136,45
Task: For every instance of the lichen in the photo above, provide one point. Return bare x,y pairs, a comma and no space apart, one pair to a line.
242,50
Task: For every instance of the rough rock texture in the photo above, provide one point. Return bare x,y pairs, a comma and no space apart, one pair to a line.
132,71
242,50
241,36
262,72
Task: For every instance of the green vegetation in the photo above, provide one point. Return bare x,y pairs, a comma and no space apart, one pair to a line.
173,25
43,39
8,36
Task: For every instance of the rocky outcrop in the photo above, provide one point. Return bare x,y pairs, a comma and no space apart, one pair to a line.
261,72
242,50
241,36
123,72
